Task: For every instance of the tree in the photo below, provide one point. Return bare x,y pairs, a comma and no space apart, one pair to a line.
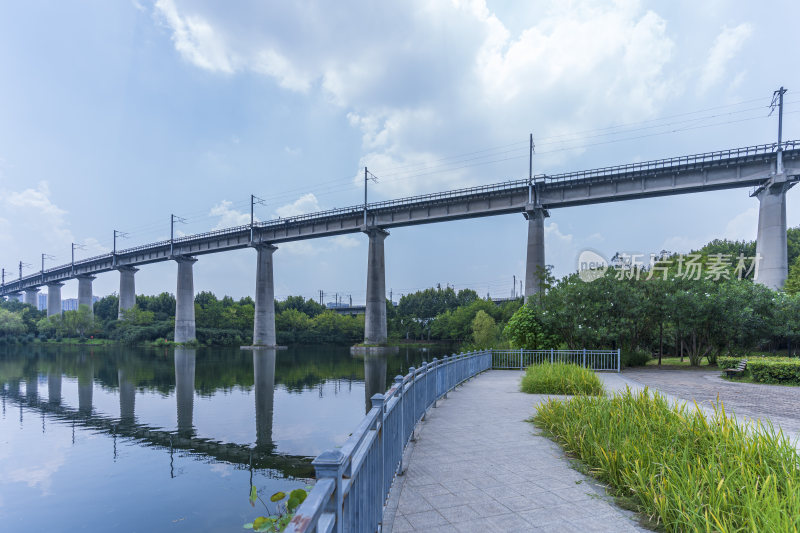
793,281
11,323
138,317
76,323
484,330
525,330
107,308
308,307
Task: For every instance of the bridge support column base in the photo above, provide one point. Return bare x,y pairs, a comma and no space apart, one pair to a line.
535,267
127,288
54,298
31,297
772,267
85,292
375,312
184,300
264,318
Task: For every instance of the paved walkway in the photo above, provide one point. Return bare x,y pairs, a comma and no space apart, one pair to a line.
478,466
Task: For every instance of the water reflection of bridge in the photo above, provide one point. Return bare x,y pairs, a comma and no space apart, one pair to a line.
261,456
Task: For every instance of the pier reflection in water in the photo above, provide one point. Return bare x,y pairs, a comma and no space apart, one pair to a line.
162,437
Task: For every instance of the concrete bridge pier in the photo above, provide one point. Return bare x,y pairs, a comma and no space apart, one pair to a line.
15,297
375,312
32,297
264,372
127,288
32,387
374,376
54,298
127,398
184,300
85,386
771,240
184,388
85,292
264,320
535,266
54,387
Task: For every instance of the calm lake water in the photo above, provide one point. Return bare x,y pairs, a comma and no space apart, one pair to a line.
135,439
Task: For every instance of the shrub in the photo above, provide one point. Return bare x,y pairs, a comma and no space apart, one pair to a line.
634,357
768,369
560,378
687,472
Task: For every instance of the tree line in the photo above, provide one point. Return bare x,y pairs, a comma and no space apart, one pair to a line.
667,314
644,315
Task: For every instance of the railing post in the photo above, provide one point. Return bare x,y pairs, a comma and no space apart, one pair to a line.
398,385
551,356
330,464
446,377
584,358
619,365
378,401
412,389
435,380
424,368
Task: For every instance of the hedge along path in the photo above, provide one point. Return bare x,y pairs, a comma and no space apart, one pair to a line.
770,370
685,470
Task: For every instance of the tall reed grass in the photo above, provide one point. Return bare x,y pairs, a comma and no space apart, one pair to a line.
686,472
560,378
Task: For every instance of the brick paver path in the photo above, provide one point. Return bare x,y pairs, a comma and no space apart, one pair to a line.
776,403
478,466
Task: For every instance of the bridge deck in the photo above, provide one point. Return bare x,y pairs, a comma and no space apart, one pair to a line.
739,167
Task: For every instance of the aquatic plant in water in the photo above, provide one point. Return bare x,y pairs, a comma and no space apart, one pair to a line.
283,512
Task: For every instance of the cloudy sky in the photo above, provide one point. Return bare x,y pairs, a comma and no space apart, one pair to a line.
113,115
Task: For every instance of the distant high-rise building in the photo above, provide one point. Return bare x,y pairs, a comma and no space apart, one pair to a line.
42,302
69,304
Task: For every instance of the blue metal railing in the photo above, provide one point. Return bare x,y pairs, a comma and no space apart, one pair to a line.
353,481
600,360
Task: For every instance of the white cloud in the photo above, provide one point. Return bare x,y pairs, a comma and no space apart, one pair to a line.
345,242
196,39
727,44
743,226
305,204
423,78
37,221
292,151
228,217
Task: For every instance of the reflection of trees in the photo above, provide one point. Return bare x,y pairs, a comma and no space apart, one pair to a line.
198,448
153,369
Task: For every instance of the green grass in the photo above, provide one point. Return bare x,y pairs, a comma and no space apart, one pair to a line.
560,378
683,471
